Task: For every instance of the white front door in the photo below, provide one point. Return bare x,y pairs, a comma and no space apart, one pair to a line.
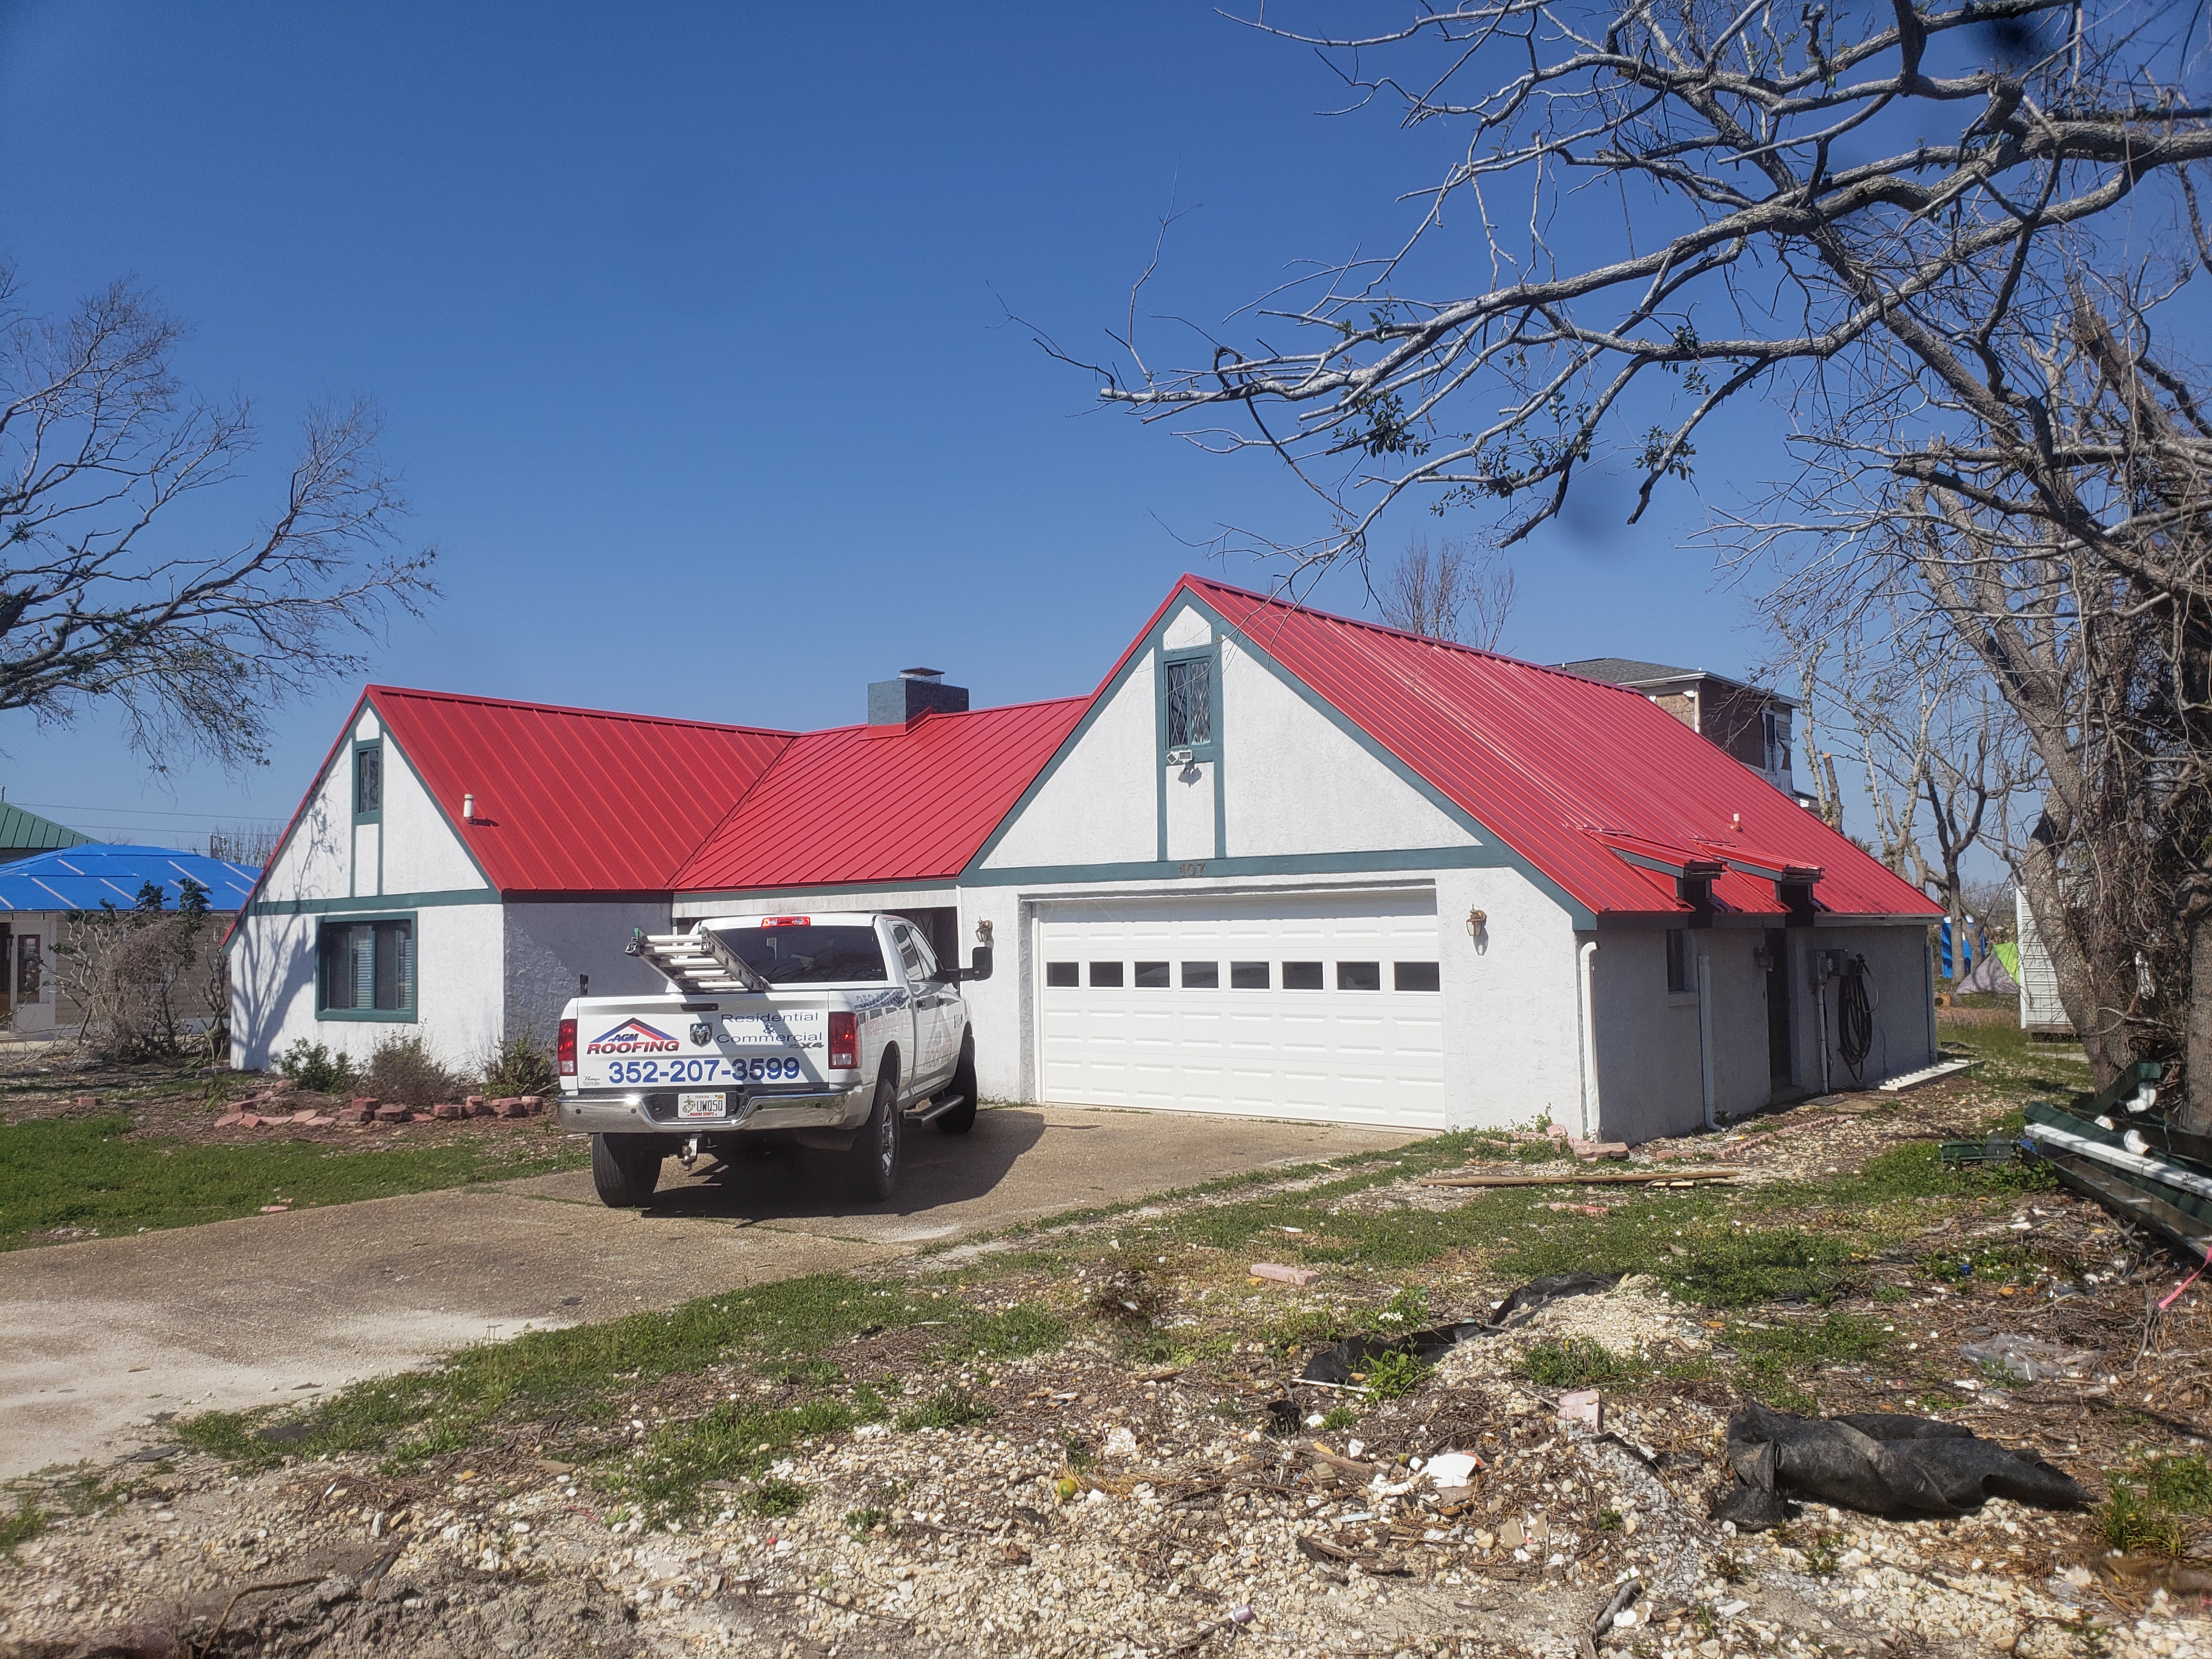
1323,1007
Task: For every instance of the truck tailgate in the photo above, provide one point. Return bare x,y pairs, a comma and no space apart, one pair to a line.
737,1040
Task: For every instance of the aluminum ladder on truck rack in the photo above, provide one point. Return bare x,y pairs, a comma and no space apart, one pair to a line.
694,962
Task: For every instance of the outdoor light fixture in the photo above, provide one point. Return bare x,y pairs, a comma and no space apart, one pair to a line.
1763,957
983,931
1476,922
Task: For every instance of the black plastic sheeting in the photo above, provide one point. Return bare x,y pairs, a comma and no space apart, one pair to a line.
1340,1361
1880,1463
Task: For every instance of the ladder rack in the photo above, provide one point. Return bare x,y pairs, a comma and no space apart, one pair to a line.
695,962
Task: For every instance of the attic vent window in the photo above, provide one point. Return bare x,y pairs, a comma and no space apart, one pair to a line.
1190,702
368,779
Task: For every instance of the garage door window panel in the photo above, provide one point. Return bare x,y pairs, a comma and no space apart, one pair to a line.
1151,976
1201,977
1359,975
1302,976
1416,976
1106,975
1251,977
1063,974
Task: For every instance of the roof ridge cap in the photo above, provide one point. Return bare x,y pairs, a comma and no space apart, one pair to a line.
430,696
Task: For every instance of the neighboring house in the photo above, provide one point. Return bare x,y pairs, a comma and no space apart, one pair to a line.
39,893
23,833
1748,722
459,861
1279,863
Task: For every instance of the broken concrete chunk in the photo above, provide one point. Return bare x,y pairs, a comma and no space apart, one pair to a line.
1276,1272
1581,1406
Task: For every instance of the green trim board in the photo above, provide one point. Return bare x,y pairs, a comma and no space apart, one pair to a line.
1500,854
1207,753
1286,863
398,904
819,897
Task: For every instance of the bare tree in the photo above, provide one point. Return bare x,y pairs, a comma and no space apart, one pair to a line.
1881,221
98,442
1456,592
1941,756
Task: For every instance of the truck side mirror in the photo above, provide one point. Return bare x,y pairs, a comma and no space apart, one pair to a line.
982,960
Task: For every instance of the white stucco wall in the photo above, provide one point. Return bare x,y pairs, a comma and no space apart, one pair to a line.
1101,805
1650,1081
1293,781
548,943
1903,992
1512,1023
421,852
457,987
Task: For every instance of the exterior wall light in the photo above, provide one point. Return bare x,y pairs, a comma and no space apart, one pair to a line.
1476,922
983,931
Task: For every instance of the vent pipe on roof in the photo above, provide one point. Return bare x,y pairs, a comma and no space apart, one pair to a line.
468,809
915,692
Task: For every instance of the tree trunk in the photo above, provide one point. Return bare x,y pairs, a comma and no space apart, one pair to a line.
2103,1038
2196,1108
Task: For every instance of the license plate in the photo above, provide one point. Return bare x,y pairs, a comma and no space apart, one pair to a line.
701,1106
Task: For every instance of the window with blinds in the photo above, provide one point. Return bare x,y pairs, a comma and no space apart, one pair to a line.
368,967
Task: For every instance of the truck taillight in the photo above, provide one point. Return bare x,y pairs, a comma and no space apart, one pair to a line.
565,1048
844,1042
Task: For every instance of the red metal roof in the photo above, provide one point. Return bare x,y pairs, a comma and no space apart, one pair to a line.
1555,765
572,800
871,804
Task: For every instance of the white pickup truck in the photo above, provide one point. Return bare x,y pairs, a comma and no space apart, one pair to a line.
833,1031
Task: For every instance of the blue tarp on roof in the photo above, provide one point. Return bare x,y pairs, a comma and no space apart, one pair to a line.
84,878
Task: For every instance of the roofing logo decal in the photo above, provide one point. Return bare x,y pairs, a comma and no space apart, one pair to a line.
632,1037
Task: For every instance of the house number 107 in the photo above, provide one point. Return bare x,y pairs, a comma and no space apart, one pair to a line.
1196,868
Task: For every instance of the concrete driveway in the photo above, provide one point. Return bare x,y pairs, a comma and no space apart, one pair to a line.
105,1336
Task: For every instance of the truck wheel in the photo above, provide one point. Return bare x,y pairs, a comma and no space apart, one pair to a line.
625,1169
962,1118
874,1159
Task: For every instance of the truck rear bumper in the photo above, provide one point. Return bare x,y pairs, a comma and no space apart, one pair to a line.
631,1114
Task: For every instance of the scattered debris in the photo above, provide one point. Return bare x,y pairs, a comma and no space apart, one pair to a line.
1677,1176
2030,1359
1276,1272
1880,1463
1581,1408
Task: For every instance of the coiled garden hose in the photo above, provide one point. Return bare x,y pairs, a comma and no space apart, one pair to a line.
1855,1015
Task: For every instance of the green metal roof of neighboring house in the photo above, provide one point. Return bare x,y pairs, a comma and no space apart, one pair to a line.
24,833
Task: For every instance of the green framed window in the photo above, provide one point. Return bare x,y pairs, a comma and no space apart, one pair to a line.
368,781
1190,702
365,968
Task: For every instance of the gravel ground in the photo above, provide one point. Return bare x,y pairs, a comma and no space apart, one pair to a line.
1112,1507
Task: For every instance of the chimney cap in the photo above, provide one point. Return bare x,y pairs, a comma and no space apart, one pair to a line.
922,674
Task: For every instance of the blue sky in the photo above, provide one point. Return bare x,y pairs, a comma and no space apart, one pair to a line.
688,325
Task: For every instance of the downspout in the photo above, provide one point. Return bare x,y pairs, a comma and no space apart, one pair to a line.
1821,1001
1705,1033
1586,991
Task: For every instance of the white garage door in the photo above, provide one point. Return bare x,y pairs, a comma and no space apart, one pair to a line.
1304,1006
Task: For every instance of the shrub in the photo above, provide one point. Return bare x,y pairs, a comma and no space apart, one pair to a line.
403,1070
1396,1374
519,1066
314,1068
138,976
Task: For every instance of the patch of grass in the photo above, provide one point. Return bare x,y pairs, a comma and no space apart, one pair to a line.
26,1523
2182,1484
1579,1362
772,1498
582,1370
948,1408
1395,1375
1833,1338
1010,1333
90,1173
1339,1417
860,1522
729,1443
1741,1266
1821,1556
2131,1520
1080,1454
